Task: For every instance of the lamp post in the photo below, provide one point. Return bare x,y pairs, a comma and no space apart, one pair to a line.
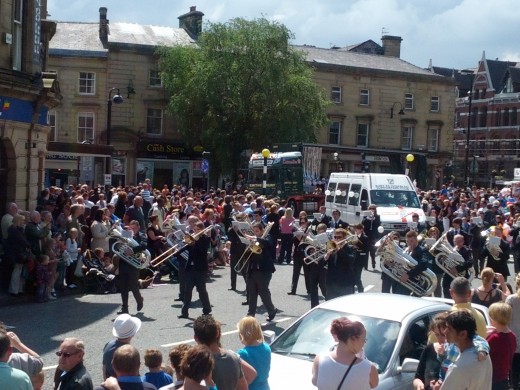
409,159
116,99
335,155
474,167
400,112
466,157
265,154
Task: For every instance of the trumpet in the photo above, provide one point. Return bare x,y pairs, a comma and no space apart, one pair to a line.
253,248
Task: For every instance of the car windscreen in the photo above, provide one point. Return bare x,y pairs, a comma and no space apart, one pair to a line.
311,336
393,198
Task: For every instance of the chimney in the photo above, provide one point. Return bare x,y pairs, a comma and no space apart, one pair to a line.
103,26
391,45
192,22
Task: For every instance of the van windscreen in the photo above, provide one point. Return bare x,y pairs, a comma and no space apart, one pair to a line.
393,198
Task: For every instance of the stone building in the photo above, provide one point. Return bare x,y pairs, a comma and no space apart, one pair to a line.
109,79
383,109
27,92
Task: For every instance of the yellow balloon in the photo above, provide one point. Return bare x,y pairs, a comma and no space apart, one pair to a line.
266,152
410,157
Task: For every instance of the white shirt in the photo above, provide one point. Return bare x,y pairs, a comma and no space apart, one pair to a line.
330,373
468,373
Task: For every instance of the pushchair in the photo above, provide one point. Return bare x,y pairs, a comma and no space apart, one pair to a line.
97,279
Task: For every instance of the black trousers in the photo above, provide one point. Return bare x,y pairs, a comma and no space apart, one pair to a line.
446,281
128,281
196,279
182,278
317,278
515,372
298,264
386,283
258,285
338,288
233,274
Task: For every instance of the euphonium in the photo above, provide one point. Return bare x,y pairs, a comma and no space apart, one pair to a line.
395,263
123,245
447,258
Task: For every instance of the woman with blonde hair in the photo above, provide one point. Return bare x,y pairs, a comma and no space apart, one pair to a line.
513,300
255,352
488,293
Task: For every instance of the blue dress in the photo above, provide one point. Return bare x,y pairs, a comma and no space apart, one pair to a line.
259,357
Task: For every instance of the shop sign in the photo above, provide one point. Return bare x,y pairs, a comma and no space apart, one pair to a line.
50,156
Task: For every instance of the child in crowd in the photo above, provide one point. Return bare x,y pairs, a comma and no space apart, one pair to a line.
49,249
225,251
72,249
176,355
63,261
37,380
43,278
153,360
502,344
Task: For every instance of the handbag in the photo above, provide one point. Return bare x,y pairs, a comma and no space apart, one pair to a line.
346,373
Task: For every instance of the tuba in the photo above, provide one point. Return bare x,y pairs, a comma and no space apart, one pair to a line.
395,262
447,258
124,245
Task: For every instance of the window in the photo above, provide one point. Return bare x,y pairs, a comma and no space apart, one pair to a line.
335,94
85,127
87,83
334,133
505,121
154,121
364,97
483,117
51,122
433,140
408,101
362,134
155,78
17,35
514,116
406,138
435,105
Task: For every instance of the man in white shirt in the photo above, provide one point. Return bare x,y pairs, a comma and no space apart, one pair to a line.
467,372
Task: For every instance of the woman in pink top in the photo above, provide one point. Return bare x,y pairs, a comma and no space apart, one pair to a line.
286,230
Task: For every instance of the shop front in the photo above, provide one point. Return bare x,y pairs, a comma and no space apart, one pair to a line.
170,163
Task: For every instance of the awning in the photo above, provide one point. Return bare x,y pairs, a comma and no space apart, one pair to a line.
75,149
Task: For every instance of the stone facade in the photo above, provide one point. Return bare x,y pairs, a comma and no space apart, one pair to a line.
26,94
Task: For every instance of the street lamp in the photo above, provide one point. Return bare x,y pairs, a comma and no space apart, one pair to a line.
401,111
474,168
265,154
335,155
116,99
409,159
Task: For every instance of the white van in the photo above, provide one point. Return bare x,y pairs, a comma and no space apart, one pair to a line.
394,196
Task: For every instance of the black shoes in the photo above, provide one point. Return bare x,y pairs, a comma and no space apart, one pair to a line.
122,311
183,316
270,317
178,299
140,304
245,303
232,289
291,293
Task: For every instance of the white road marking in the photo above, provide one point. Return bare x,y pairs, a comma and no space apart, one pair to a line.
223,334
369,287
49,368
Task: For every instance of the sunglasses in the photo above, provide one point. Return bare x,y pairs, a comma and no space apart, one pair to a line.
65,354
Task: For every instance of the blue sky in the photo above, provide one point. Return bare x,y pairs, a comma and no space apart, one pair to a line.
453,33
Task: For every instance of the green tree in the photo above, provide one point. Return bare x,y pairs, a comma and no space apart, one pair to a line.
243,86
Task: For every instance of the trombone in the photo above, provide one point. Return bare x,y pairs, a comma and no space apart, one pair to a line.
188,239
253,248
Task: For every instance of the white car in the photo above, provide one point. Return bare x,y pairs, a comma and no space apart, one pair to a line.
396,325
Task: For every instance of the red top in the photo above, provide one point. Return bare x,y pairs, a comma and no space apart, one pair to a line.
502,347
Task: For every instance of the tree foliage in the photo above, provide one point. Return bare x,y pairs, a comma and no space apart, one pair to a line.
242,87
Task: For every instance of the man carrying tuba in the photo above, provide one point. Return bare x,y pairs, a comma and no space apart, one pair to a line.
458,241
416,252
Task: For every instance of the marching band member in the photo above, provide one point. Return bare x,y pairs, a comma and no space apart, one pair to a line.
237,248
415,251
386,281
371,225
434,234
459,246
361,259
286,230
324,218
498,261
182,258
259,273
128,279
457,229
340,267
196,272
336,222
318,274
476,244
299,244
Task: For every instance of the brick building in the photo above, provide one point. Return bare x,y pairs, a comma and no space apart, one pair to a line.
26,94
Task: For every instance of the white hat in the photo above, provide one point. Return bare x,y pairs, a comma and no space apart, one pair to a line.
126,326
